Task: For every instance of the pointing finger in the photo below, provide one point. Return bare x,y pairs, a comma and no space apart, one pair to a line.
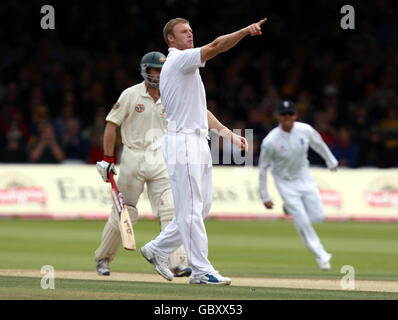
261,21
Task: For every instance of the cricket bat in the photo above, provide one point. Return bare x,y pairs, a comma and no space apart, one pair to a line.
125,225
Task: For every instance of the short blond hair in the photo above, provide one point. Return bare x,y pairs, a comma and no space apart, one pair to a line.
168,28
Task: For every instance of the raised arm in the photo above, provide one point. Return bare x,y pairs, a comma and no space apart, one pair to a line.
226,42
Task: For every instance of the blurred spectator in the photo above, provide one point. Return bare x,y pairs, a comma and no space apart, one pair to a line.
35,101
74,144
304,105
46,149
96,152
67,112
324,127
40,116
256,122
95,134
13,120
344,149
12,97
270,100
98,123
291,87
11,110
361,126
335,77
15,149
372,150
327,132
246,100
389,136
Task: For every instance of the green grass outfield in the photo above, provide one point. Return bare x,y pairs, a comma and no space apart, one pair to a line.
269,249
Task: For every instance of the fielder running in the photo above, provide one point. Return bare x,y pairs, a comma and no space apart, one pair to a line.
186,149
140,114
284,150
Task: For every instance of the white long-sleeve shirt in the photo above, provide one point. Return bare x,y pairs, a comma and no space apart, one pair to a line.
287,154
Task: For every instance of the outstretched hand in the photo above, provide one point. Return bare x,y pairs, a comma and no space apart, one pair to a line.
239,141
255,28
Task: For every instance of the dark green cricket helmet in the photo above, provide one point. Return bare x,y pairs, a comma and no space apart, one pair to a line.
152,59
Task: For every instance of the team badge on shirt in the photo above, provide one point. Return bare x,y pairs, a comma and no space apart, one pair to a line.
116,106
139,107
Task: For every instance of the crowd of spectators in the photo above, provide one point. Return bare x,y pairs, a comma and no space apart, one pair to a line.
56,86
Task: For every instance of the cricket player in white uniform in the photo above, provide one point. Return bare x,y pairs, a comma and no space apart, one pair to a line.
285,150
140,114
186,149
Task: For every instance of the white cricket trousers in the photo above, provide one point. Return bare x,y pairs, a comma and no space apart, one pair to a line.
189,165
303,202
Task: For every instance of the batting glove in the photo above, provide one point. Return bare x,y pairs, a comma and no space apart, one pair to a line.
105,166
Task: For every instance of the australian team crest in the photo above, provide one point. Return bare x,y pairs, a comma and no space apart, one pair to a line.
139,107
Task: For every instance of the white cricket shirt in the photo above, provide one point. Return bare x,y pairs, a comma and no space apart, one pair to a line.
286,153
143,122
182,90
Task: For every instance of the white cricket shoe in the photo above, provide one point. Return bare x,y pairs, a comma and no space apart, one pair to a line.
103,267
161,265
325,265
212,278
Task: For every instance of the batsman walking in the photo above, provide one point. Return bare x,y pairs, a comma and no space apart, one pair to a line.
284,150
141,115
186,148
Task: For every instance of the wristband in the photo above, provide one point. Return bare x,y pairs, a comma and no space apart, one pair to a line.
108,159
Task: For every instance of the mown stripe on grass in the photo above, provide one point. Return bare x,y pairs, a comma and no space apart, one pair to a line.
29,288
